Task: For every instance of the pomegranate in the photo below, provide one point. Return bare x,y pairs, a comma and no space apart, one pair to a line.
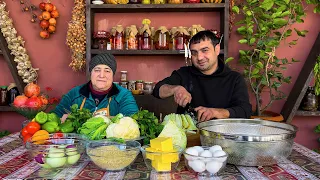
51,29
20,101
44,99
46,15
31,89
55,14
34,102
44,34
44,24
42,6
52,22
48,7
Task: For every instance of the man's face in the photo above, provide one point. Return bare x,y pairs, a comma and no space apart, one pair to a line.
204,56
101,77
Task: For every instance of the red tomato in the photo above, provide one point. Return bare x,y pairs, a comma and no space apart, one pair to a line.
33,127
26,137
58,135
24,132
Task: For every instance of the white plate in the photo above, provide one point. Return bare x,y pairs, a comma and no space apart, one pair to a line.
97,2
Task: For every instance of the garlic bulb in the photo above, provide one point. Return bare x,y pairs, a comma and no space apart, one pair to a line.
16,46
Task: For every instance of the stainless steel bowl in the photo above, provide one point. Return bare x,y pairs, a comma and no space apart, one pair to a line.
249,142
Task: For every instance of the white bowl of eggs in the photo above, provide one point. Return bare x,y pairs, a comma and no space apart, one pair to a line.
204,160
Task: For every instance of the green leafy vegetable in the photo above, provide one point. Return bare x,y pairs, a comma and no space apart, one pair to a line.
78,117
148,124
94,128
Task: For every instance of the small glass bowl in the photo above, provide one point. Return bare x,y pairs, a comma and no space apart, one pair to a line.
205,166
60,150
159,161
113,156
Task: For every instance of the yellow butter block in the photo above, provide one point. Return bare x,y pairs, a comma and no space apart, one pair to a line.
166,157
159,166
162,143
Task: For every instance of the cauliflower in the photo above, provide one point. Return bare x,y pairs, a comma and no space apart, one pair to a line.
125,128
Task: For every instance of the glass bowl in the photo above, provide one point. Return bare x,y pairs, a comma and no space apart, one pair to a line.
59,150
159,161
205,166
113,156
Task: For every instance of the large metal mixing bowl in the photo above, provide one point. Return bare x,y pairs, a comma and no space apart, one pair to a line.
249,142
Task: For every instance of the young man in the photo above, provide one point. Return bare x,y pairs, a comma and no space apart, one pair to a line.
208,85
100,95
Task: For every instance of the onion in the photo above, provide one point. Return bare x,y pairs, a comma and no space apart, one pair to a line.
39,158
71,146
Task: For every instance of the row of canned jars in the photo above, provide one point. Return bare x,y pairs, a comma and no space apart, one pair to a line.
138,86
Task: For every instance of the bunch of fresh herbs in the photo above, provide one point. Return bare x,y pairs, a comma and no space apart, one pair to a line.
149,125
78,116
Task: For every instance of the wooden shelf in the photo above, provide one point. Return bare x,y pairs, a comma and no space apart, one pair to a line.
307,113
6,108
142,52
138,8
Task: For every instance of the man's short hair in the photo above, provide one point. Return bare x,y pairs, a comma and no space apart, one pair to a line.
205,35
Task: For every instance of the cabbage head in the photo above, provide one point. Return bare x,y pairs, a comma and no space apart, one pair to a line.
177,134
125,128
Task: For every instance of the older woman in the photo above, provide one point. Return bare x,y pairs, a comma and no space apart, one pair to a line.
100,95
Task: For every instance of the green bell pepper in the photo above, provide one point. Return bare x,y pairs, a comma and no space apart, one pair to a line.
66,127
52,117
41,117
51,127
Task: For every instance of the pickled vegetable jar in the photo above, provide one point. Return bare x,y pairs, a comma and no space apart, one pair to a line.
118,39
162,38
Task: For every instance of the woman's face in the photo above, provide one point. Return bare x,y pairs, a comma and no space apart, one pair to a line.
101,77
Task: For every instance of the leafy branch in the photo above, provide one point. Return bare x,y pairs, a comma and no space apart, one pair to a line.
265,24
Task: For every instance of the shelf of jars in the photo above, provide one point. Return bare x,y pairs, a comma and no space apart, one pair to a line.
142,52
307,113
184,7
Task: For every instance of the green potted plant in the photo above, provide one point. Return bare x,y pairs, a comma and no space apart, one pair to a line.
264,26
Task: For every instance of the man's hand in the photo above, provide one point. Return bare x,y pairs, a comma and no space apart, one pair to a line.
181,96
205,114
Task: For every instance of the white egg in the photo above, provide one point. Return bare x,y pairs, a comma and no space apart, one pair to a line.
213,166
206,153
215,148
191,151
220,155
198,148
198,166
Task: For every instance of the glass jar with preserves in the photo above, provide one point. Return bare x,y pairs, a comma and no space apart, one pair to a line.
3,96
123,76
134,1
139,85
172,33
146,2
146,40
118,38
132,85
124,84
162,38
194,29
310,100
159,2
175,1
12,92
131,38
180,38
152,37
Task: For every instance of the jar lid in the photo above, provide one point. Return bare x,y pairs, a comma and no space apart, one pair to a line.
123,82
123,71
140,81
149,82
3,87
132,81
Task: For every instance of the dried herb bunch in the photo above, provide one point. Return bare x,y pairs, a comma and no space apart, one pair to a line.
76,36
16,46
